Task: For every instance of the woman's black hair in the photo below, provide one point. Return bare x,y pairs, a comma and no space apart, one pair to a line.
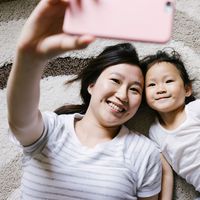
111,55
172,57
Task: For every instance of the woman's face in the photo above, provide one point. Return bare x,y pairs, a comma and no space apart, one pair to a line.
165,89
116,95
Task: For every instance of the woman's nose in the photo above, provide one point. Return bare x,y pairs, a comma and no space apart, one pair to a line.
122,94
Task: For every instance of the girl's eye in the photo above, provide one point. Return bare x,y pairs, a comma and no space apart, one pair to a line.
169,81
151,85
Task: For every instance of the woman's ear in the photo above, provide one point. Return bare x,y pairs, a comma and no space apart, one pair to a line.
90,87
188,89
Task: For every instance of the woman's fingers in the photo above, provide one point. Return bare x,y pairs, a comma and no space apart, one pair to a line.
57,44
53,2
47,8
45,21
43,36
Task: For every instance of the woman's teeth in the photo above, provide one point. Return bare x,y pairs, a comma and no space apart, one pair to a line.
115,107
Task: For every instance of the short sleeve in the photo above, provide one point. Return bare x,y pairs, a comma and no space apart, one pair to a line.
50,121
194,108
32,148
52,126
151,174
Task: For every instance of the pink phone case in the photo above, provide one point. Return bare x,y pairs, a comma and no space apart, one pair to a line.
137,20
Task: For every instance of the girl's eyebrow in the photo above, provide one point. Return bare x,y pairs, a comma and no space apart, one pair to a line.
153,78
150,79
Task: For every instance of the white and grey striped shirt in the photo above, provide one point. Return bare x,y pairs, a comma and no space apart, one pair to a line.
59,167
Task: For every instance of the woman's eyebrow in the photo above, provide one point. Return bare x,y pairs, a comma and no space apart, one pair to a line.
116,73
137,83
134,83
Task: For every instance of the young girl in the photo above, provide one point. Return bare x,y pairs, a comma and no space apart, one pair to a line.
176,131
89,154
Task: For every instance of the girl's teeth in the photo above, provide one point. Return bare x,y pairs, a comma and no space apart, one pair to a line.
113,106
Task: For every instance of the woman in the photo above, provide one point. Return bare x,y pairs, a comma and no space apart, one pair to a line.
88,154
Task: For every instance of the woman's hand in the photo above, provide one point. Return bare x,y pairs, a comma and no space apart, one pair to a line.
42,36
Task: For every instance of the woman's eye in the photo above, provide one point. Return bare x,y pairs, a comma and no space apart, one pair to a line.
115,80
135,90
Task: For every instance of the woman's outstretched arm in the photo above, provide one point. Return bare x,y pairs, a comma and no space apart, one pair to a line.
41,39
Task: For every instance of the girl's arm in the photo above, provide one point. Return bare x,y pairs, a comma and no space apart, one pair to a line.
149,198
41,39
167,181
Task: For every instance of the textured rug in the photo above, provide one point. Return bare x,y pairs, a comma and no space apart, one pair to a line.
54,93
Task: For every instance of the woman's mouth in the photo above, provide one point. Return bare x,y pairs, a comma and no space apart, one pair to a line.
115,107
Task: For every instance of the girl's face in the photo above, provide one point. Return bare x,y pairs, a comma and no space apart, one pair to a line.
165,89
116,95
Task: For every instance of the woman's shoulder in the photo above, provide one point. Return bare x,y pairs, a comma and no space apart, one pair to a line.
52,116
141,151
140,142
54,122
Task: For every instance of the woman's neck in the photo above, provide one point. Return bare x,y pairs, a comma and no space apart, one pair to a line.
90,133
173,119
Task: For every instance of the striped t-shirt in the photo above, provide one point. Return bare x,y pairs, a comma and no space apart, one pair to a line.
59,167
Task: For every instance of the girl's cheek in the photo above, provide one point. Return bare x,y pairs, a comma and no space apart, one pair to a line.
147,94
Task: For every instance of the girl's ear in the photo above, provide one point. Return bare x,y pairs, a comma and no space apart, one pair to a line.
90,87
188,89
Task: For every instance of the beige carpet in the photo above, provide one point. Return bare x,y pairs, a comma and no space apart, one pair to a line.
13,14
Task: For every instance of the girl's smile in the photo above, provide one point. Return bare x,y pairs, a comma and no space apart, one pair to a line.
165,89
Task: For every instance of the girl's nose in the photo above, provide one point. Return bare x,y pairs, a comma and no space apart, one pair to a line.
161,89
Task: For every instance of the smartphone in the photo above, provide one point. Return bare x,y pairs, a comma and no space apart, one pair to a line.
134,20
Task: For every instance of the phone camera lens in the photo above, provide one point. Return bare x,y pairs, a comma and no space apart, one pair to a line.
168,7
168,4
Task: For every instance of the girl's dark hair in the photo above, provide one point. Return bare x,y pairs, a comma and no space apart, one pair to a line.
111,55
172,57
